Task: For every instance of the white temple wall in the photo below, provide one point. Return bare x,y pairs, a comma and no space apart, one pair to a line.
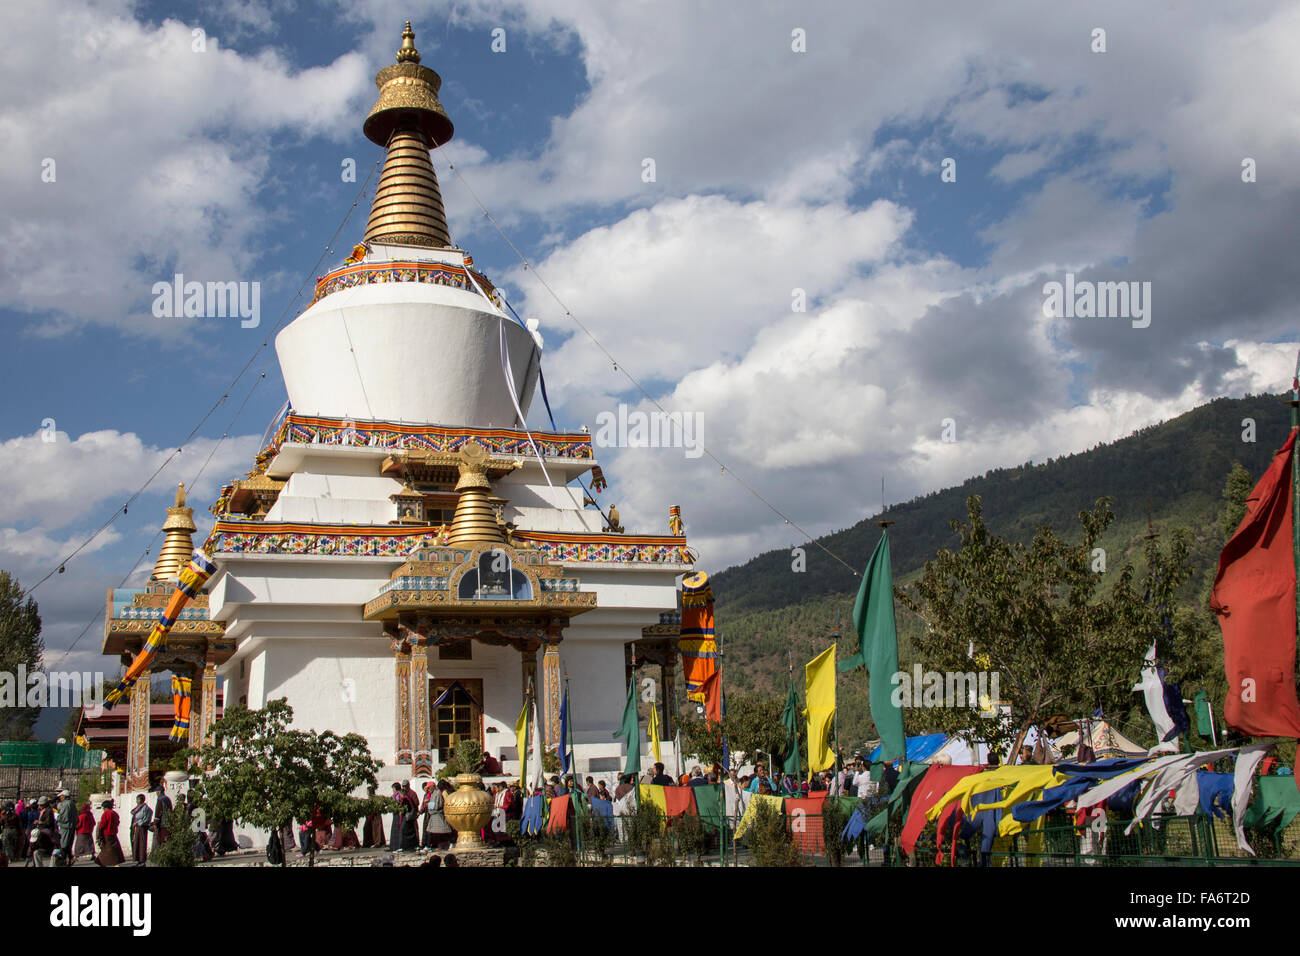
346,686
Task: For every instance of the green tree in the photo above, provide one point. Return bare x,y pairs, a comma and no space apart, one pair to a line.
1037,615
1234,494
20,644
752,725
266,774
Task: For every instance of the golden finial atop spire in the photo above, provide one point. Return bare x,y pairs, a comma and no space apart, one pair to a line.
408,121
178,543
408,53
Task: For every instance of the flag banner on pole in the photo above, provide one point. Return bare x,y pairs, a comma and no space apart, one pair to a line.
630,731
819,674
1254,598
180,709
190,583
1203,724
537,778
1169,719
698,650
652,731
521,742
873,619
564,732
712,691
790,720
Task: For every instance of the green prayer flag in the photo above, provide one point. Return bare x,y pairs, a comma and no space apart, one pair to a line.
1203,721
709,804
873,618
631,731
790,720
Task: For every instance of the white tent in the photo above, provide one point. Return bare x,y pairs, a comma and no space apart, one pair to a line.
1106,741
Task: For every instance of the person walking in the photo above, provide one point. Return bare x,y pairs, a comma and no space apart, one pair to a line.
9,832
110,848
66,818
399,812
436,827
85,833
373,832
141,817
162,813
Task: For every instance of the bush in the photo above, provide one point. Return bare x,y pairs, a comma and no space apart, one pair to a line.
834,820
644,828
466,757
597,835
527,844
177,850
769,840
691,836
559,851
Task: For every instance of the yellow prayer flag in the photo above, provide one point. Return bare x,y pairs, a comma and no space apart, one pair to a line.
652,731
521,739
819,675
757,800
654,793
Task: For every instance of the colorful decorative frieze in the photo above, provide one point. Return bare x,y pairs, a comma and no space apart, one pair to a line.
256,537
310,430
431,273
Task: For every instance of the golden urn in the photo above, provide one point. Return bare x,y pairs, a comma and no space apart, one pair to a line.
468,810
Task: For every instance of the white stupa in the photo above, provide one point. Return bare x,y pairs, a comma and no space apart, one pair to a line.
397,563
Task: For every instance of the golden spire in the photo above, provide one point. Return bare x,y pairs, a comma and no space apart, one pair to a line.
177,544
475,520
408,120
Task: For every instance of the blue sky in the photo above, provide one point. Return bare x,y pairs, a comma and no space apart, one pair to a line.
775,170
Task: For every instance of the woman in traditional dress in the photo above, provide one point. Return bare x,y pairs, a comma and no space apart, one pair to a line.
436,827
410,819
110,848
373,832
141,817
84,844
10,832
345,837
399,811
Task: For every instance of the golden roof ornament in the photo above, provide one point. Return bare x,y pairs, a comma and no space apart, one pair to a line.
408,120
475,518
178,541
408,53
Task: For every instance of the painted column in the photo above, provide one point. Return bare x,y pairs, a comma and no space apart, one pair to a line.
549,693
205,702
402,679
423,757
137,738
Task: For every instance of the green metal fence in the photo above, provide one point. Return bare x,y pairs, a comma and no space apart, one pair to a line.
1161,841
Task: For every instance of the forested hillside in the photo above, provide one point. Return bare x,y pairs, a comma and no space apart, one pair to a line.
1173,474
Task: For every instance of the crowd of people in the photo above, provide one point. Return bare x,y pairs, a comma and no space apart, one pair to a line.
51,830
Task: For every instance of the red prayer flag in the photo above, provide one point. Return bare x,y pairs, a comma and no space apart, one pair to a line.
712,691
805,820
679,801
559,822
1254,598
938,780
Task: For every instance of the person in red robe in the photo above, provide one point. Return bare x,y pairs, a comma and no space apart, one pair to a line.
110,848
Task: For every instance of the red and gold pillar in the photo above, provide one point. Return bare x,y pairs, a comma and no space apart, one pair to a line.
402,688
137,738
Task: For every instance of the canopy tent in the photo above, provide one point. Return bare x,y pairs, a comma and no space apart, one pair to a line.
1105,740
